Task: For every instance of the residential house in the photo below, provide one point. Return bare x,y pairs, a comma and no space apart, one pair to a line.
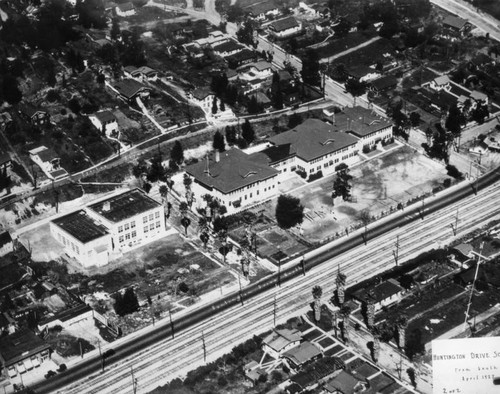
362,73
228,48
79,313
5,120
478,98
125,9
383,294
285,27
441,83
263,10
279,341
32,114
315,374
84,238
365,124
383,84
105,121
245,56
454,25
257,70
253,372
143,73
6,243
345,383
129,90
21,351
264,101
131,218
48,161
204,98
233,178
300,355
214,38
313,146
5,161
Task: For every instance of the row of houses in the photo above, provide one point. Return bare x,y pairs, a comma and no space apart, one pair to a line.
237,179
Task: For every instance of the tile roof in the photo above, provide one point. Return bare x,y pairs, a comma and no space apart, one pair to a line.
343,382
67,314
278,339
261,8
261,65
129,87
234,170
284,24
125,205
81,226
478,96
46,154
379,292
360,121
442,80
385,82
302,353
313,139
201,93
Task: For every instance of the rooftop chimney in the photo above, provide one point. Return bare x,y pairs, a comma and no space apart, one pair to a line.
106,206
217,156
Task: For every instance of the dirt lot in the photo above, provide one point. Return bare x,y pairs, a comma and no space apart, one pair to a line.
395,176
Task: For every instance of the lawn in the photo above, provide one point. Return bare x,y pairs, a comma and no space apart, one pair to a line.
365,55
335,46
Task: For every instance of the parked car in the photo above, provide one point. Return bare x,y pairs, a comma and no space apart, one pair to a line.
62,368
49,374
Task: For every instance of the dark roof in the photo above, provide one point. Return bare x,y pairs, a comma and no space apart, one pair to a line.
481,59
455,22
227,46
5,238
284,24
129,87
201,93
105,116
234,170
360,70
261,98
294,388
125,205
302,353
379,292
242,56
20,345
360,121
318,370
81,226
67,314
47,155
387,81
380,382
313,138
273,154
343,382
4,158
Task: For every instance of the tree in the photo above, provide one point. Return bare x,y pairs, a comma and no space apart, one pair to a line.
414,119
253,106
74,105
340,282
218,142
183,208
317,292
115,29
294,120
355,87
11,92
164,192
126,303
453,121
177,153
289,211
341,186
185,221
140,169
480,113
204,238
5,180
401,324
246,31
51,77
230,135
310,68
342,28
345,311
156,171
370,310
411,374
247,132
222,106
214,106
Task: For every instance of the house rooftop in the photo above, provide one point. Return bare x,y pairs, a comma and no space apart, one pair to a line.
261,8
105,116
81,226
234,170
313,139
478,96
455,22
45,154
227,46
284,24
344,382
384,82
360,70
260,65
201,93
125,205
129,87
278,339
302,353
67,314
442,80
20,345
379,292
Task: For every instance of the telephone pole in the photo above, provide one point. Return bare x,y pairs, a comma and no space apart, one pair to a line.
204,346
396,252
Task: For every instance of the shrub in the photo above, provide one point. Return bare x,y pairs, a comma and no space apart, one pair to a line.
366,149
263,378
315,176
301,173
447,182
222,381
454,172
52,96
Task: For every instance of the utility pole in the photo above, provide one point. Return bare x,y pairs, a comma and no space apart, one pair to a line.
204,346
100,355
134,381
274,311
241,293
469,303
171,323
422,209
303,263
396,252
279,271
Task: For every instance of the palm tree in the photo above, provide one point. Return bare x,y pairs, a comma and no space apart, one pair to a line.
345,311
183,208
376,346
401,325
370,310
317,292
340,282
222,236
